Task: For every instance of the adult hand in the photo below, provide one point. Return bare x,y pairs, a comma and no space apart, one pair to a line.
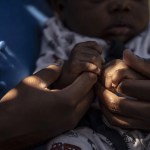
31,113
124,111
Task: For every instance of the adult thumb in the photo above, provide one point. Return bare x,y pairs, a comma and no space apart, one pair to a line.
137,63
48,75
81,86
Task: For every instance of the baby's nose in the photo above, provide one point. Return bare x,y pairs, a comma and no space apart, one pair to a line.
119,6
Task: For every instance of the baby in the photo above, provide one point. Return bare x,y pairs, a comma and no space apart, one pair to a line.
82,33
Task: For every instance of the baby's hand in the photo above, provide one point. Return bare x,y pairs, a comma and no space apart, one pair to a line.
85,57
117,71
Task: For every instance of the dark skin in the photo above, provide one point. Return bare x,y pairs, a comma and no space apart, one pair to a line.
125,20
126,80
88,17
122,24
84,57
32,98
31,113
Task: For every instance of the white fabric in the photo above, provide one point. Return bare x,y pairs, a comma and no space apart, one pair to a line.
80,139
87,139
57,44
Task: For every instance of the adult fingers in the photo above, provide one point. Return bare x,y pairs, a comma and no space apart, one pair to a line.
125,122
80,87
123,105
84,105
112,103
45,77
139,89
139,64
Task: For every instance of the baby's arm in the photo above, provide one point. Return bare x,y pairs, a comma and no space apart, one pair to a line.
85,57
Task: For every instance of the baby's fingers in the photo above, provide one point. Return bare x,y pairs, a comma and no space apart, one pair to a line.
111,82
121,74
86,67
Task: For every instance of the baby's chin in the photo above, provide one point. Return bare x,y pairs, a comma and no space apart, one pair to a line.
123,39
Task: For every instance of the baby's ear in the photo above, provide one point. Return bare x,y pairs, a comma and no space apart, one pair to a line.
57,6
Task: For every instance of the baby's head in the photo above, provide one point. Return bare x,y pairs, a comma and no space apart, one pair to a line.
107,19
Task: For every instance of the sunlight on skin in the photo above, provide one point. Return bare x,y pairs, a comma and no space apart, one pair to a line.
114,105
111,98
34,81
12,94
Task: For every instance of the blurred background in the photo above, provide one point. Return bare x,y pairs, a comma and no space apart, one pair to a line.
20,27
